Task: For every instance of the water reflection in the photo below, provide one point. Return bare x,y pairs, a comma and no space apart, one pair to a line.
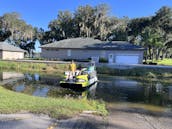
170,92
109,89
120,89
41,91
8,77
20,88
43,86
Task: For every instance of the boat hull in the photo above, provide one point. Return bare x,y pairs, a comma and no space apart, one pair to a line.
68,84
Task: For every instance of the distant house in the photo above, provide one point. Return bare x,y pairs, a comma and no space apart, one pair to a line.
119,52
8,51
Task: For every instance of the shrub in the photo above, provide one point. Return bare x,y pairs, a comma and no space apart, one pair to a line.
152,63
145,63
103,60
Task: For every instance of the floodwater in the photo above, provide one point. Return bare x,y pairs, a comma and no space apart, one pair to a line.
109,89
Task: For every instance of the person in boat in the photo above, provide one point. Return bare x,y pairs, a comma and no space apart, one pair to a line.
71,71
91,68
78,70
72,67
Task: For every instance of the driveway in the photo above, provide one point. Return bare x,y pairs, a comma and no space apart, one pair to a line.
31,121
25,121
119,118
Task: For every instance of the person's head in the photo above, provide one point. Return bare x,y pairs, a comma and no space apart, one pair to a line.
72,61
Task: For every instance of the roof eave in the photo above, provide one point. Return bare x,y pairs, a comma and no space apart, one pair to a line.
13,50
142,49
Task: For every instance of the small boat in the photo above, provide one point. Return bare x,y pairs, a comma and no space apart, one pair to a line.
85,79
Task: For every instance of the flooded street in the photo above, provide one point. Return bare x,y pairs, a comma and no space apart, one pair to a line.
132,103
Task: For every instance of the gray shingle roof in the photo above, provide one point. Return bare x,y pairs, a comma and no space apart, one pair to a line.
7,47
90,43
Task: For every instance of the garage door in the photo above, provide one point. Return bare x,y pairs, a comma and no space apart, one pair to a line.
127,59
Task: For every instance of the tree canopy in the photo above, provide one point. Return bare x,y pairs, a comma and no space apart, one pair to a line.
152,32
16,31
86,21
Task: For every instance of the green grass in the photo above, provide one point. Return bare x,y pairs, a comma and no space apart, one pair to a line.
165,62
12,102
160,62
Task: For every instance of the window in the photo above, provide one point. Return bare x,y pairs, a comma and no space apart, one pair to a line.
69,52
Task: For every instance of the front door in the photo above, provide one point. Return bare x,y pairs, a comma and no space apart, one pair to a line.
110,58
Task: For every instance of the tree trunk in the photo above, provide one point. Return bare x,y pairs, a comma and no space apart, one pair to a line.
166,54
153,53
158,53
163,54
64,35
146,55
150,54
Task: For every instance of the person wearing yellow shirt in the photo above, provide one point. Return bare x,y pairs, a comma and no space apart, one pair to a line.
72,67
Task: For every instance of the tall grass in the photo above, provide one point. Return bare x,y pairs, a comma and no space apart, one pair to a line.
60,68
30,66
139,72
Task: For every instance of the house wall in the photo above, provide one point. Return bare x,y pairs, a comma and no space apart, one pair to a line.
85,54
0,54
12,55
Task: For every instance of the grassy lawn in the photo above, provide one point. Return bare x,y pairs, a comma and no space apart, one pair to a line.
11,102
165,62
161,62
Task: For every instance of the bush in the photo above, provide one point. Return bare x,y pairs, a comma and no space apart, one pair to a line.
103,60
145,63
37,58
152,63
